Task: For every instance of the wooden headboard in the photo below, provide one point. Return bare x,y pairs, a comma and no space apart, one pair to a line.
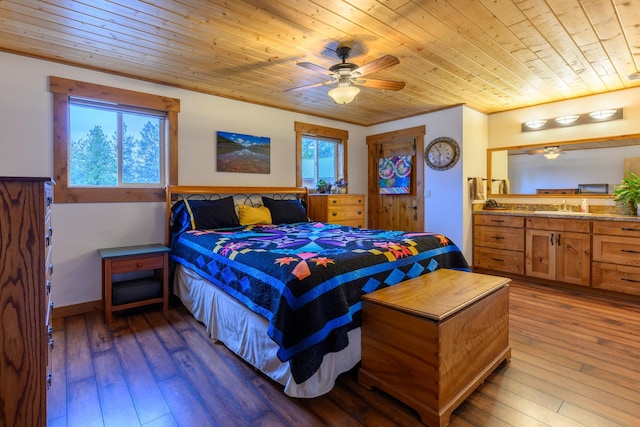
241,195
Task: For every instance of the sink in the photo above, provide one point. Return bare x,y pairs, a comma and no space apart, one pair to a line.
569,213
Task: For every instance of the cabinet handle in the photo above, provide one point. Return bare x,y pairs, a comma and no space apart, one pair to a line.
559,239
497,237
359,200
334,201
551,239
497,259
629,280
359,212
138,264
497,220
334,213
630,229
630,251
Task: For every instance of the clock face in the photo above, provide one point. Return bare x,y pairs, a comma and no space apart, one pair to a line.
442,153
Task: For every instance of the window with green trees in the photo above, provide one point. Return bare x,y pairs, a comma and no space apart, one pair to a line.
114,147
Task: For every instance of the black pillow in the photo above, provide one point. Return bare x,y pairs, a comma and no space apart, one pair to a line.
204,214
285,211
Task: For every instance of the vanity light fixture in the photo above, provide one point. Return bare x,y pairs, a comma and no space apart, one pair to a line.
567,120
535,124
573,120
602,114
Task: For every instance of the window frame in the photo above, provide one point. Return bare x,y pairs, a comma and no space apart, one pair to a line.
64,89
316,131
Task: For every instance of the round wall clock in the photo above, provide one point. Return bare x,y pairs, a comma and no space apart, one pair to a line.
442,153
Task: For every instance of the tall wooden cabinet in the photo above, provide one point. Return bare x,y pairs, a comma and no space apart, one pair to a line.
25,299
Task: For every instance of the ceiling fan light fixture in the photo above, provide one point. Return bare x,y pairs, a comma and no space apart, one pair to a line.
344,94
551,153
602,114
567,120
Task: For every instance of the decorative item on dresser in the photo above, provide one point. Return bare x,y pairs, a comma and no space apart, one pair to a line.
343,209
25,299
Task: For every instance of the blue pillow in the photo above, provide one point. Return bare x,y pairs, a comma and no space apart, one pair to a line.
285,211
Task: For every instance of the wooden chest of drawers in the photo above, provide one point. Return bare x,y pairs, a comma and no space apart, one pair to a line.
498,243
344,209
25,300
616,256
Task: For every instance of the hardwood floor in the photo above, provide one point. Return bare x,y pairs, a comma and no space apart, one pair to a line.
575,361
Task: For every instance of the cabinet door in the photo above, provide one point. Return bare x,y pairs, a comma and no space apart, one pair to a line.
541,254
573,259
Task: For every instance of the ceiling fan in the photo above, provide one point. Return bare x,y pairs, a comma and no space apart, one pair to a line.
346,75
550,152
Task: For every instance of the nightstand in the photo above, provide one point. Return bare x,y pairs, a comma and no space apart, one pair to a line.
134,276
343,209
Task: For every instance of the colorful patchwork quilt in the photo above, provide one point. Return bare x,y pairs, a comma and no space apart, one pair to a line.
306,279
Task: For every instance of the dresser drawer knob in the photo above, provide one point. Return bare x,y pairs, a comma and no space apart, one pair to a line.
359,212
334,201
334,213
139,264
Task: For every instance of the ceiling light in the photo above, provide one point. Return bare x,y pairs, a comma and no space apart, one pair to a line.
551,153
567,120
602,114
344,94
535,124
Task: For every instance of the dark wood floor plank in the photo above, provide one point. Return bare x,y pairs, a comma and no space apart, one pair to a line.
574,362
116,403
245,396
185,406
149,401
79,363
157,356
83,404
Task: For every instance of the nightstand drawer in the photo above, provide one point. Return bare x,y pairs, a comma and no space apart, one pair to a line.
137,264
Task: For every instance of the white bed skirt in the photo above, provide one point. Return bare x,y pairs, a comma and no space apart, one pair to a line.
245,333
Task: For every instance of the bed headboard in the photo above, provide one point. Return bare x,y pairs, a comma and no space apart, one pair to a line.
251,196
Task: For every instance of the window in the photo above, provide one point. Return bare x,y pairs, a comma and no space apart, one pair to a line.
112,145
321,154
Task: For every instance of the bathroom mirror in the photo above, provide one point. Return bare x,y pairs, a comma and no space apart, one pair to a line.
570,168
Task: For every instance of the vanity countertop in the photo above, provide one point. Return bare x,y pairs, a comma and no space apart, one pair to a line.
552,214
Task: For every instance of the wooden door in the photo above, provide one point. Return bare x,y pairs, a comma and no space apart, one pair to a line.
540,254
397,211
573,263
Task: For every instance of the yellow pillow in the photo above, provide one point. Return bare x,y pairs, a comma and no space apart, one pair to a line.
249,215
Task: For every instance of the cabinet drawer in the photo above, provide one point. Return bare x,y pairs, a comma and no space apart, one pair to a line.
617,250
499,237
340,214
499,220
558,224
616,228
129,265
345,200
499,260
618,278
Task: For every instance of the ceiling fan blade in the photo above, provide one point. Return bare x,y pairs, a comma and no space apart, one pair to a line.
540,151
377,65
380,84
313,67
328,82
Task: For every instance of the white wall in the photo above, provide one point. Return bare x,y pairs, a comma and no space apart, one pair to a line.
82,228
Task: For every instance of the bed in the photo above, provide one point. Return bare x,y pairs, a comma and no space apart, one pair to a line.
283,292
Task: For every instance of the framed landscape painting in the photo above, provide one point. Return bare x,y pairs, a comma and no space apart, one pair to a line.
237,152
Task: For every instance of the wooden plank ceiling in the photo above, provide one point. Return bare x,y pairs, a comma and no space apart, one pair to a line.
492,55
